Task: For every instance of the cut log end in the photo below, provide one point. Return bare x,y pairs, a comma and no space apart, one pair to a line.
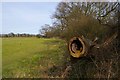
77,47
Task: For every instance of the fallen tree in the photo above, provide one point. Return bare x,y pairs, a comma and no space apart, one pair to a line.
80,47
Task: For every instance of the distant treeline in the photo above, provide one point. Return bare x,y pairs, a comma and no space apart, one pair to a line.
21,35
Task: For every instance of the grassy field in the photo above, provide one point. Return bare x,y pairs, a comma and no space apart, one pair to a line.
32,57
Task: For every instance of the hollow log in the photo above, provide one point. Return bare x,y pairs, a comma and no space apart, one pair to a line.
79,46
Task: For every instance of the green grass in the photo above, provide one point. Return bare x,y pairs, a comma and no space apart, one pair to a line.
31,57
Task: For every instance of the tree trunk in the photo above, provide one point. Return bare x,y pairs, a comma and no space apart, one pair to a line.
80,47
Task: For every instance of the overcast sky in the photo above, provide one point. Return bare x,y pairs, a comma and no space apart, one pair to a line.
26,17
